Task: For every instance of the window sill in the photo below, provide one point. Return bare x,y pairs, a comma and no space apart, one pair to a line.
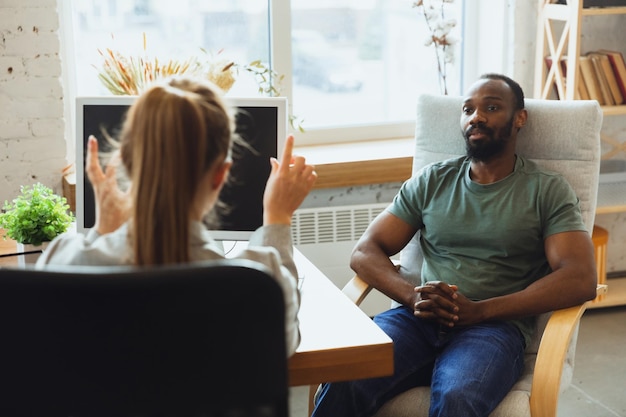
362,163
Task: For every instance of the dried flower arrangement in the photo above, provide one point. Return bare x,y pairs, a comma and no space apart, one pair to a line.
440,28
123,75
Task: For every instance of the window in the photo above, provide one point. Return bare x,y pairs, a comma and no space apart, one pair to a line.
352,67
359,63
173,29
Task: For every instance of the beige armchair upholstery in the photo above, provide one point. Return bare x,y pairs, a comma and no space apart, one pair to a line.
562,136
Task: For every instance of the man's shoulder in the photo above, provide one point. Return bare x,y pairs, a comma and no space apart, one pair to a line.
530,167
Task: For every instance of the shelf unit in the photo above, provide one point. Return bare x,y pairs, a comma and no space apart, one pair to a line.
557,42
559,30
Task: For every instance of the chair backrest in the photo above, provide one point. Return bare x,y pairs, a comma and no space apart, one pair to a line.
198,339
562,136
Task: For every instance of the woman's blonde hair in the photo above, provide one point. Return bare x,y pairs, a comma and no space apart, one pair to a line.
173,134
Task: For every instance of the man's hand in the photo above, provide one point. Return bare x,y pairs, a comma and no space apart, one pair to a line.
437,301
112,205
445,304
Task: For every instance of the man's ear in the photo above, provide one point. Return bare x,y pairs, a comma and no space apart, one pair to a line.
520,119
221,173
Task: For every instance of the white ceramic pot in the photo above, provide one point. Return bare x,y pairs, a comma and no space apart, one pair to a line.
29,253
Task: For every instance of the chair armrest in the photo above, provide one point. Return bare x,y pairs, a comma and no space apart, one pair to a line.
553,348
356,289
555,341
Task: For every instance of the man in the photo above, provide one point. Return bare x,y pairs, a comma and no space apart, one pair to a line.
502,240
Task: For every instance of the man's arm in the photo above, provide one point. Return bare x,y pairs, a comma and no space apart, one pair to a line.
573,281
384,237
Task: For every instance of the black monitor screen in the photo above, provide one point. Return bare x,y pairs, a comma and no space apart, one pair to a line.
261,124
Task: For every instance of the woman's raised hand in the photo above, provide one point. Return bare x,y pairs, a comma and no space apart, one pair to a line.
290,181
112,204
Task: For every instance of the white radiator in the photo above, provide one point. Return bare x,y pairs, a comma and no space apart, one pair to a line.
333,224
327,235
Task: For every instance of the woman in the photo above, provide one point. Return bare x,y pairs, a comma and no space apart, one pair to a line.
175,146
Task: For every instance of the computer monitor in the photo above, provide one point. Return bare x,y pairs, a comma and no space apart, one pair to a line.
261,122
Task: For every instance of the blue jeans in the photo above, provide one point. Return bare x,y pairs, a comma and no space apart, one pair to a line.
470,369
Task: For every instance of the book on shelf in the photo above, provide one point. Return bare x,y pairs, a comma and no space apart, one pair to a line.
619,68
588,75
604,84
583,92
608,75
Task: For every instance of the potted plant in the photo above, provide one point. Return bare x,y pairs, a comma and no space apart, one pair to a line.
34,218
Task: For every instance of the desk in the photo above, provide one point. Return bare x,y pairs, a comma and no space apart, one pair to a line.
339,342
7,247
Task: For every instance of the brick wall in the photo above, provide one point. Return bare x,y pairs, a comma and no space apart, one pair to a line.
32,126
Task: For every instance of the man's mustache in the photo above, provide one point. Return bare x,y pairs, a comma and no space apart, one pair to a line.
479,128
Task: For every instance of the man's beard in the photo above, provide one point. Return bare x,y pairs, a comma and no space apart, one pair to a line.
489,147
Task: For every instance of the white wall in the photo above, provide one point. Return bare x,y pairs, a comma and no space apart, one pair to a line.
32,144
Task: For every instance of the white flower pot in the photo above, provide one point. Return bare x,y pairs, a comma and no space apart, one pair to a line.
29,253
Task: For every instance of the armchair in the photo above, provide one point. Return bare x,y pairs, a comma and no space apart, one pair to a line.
562,136
124,341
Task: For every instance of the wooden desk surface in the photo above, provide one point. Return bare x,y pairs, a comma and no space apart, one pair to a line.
7,247
339,341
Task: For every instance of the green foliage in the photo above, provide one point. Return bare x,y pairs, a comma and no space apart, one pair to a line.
37,215
269,82
266,78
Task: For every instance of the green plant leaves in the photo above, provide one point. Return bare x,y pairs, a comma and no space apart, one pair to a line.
37,215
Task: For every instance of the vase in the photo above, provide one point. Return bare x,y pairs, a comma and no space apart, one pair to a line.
28,253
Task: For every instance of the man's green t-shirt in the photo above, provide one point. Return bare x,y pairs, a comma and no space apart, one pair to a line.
487,239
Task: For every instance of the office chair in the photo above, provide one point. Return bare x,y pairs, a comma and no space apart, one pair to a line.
562,136
202,339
